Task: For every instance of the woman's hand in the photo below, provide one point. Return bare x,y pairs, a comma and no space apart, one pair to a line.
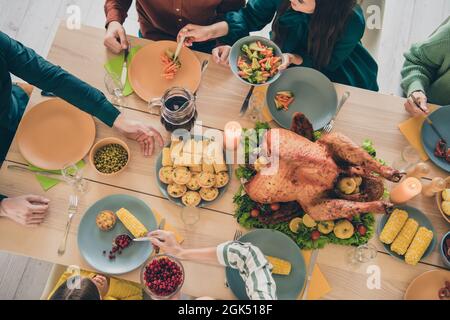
288,59
29,210
115,37
411,107
220,55
166,241
145,135
195,33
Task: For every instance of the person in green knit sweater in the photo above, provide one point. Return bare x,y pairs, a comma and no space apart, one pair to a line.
426,71
320,34
23,62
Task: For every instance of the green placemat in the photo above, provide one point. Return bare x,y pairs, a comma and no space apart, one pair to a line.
115,65
46,182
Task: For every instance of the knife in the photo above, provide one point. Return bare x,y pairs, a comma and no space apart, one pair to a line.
123,77
312,262
179,46
246,102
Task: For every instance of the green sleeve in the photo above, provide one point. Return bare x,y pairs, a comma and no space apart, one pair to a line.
422,62
2,197
253,17
354,31
29,66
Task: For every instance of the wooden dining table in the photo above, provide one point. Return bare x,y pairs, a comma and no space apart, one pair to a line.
367,114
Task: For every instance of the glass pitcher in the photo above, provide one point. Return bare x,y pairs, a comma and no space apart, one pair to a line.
177,109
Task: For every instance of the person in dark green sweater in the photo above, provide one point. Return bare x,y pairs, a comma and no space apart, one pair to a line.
320,34
426,71
23,62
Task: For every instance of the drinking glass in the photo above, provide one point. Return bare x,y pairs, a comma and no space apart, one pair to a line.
115,88
409,157
190,216
363,253
73,175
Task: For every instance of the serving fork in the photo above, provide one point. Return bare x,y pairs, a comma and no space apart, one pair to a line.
73,205
237,235
329,127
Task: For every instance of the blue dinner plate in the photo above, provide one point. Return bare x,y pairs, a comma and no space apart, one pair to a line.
421,219
92,241
276,244
441,120
314,93
235,52
163,187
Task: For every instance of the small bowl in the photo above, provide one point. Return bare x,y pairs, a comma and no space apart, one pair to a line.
105,142
441,249
147,290
439,201
236,52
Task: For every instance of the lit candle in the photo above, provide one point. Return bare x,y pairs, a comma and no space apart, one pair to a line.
406,190
420,170
436,185
232,135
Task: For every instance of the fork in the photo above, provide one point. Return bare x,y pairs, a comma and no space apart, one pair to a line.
329,127
73,205
237,235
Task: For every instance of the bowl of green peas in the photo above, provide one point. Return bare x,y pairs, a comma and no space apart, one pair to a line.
109,156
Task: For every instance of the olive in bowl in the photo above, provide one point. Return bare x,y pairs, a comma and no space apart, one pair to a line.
109,156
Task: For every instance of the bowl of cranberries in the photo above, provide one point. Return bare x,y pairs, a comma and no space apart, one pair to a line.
162,277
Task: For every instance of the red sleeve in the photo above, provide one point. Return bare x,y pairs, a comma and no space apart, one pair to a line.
116,10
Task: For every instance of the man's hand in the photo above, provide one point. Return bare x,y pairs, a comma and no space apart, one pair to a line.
145,135
166,241
115,37
29,210
411,107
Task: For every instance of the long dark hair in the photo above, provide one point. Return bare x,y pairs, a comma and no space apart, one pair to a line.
87,291
326,26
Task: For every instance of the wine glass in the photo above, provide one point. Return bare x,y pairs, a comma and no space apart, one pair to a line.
190,216
409,157
73,175
363,253
115,88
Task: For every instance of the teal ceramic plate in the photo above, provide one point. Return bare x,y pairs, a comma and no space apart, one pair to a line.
163,187
92,241
441,119
421,219
315,96
276,244
236,52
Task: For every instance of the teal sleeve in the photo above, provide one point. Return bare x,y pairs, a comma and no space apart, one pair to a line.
29,66
253,17
2,197
351,37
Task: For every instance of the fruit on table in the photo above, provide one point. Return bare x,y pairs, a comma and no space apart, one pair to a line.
315,235
275,206
344,229
446,195
325,227
281,267
163,276
132,224
254,213
120,243
362,229
294,224
446,207
308,221
347,185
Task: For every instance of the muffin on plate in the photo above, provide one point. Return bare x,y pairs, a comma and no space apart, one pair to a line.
181,175
206,179
222,179
193,183
176,190
209,194
166,175
191,199
106,220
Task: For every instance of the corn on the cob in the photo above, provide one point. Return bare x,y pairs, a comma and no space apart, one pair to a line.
418,246
132,224
404,238
280,266
393,226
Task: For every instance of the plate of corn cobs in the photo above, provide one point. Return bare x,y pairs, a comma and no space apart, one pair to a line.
112,250
407,234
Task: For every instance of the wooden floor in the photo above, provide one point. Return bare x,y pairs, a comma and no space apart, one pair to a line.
34,24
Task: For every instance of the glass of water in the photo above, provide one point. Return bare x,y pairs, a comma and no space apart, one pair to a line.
190,216
115,89
364,253
73,175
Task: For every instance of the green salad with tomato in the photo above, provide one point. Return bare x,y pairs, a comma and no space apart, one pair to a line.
290,219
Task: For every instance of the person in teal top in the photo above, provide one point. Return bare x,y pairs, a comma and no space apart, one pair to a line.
23,62
320,34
